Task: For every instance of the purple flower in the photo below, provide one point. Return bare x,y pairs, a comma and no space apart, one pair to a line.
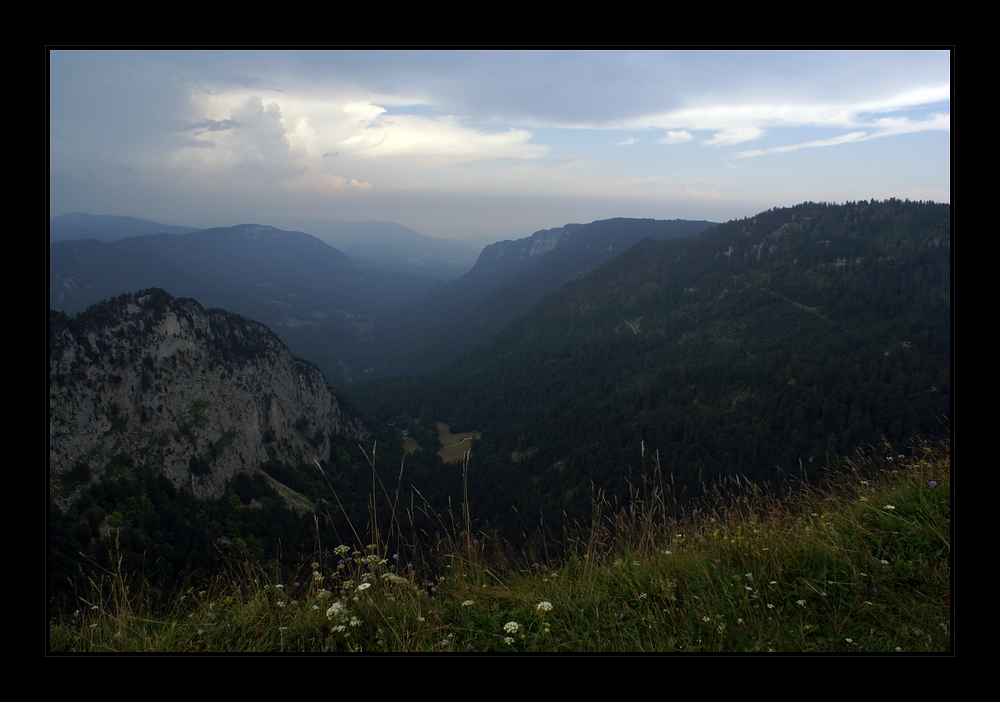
770,619
621,615
874,589
395,556
409,566
932,484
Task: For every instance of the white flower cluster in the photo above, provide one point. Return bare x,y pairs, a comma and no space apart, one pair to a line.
544,606
337,612
511,627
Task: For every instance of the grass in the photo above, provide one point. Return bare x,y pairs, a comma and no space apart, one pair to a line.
858,564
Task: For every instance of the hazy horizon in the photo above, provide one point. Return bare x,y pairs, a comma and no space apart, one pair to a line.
483,146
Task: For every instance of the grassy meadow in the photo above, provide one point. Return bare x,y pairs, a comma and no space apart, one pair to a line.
857,564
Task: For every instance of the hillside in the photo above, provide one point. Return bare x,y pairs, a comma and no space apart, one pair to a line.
196,395
509,277
306,291
774,344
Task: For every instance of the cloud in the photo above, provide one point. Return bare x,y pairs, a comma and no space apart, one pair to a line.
736,135
702,194
885,126
628,141
324,184
442,139
832,141
888,126
676,137
215,125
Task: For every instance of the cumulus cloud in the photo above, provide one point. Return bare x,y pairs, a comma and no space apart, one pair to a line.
442,139
736,135
627,141
676,137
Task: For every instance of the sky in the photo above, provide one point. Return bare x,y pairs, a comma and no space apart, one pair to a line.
484,146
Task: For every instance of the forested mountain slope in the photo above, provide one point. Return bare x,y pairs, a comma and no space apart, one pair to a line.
766,345
509,277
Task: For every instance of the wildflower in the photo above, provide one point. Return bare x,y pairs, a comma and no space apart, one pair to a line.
642,595
421,619
890,506
508,640
706,618
864,499
885,562
364,586
468,603
468,647
800,603
774,582
280,603
315,606
338,629
740,620
511,627
355,621
850,641
279,586
546,606
336,610
721,628
932,484
770,606
666,553
341,550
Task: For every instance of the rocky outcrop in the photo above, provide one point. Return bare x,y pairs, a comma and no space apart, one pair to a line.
193,394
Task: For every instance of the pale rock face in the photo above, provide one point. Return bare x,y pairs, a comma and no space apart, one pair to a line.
162,381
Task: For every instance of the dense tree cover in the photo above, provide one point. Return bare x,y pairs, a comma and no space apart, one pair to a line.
765,346
169,538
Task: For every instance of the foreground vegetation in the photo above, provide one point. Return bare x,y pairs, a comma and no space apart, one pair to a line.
857,563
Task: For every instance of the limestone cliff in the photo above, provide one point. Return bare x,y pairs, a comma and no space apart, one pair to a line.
196,395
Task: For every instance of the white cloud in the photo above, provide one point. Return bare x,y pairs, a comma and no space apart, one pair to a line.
676,137
324,184
888,126
832,141
628,141
736,135
440,140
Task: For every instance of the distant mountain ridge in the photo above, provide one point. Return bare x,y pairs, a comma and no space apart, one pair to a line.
80,225
508,279
391,247
304,289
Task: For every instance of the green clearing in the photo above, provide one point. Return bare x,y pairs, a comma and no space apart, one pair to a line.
454,446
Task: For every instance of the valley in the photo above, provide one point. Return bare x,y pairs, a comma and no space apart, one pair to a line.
768,350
